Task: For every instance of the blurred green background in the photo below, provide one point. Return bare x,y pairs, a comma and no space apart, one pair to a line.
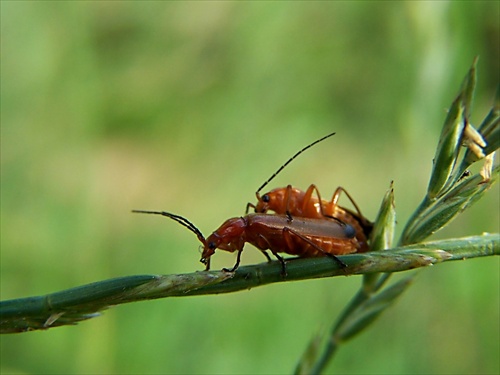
189,107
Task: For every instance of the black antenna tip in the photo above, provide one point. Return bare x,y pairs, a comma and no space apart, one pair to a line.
146,212
291,159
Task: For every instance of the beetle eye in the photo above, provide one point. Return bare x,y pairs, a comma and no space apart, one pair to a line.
265,198
350,232
212,245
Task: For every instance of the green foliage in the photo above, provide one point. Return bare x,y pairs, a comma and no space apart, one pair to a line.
449,193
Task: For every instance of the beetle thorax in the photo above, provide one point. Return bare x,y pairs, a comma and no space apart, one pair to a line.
230,236
271,200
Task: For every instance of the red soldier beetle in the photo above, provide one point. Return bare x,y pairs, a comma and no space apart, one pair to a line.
298,203
304,237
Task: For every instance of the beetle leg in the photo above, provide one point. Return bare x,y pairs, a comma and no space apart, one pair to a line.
238,258
283,264
248,207
287,203
282,261
366,224
336,196
266,255
307,199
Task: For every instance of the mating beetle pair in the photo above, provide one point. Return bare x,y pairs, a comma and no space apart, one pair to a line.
303,224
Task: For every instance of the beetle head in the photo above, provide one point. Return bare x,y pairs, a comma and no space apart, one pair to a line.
270,200
230,237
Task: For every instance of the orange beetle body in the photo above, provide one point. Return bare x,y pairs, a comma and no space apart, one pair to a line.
304,225
298,203
304,237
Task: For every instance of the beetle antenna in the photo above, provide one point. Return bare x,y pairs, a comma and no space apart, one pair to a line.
290,160
181,220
